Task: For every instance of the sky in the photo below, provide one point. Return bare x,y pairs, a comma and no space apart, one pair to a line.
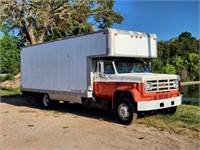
166,19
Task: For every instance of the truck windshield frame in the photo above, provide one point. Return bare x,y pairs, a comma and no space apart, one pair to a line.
131,66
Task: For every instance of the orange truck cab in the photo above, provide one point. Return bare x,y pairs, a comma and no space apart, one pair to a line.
131,87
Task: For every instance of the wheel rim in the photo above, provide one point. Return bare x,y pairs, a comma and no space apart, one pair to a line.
123,111
46,100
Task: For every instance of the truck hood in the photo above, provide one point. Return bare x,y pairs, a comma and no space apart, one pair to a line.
141,77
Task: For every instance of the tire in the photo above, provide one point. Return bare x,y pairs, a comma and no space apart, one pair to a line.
169,111
46,102
125,111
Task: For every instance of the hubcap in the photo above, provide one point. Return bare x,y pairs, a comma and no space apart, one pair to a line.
46,100
123,111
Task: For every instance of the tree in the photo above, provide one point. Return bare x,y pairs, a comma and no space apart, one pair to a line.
42,20
169,69
179,63
193,64
10,54
184,44
157,65
179,55
164,51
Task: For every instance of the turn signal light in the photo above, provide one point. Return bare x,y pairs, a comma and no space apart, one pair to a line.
135,85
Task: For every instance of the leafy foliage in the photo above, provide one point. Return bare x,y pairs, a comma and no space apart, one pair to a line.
179,56
44,20
169,69
10,54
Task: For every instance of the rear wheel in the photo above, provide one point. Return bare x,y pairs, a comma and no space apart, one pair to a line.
125,111
46,102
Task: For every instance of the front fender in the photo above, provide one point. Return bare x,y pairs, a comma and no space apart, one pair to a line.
125,91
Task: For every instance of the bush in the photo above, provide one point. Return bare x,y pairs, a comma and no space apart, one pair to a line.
6,77
169,69
10,53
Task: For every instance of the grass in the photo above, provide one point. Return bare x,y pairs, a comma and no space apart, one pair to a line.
185,121
10,92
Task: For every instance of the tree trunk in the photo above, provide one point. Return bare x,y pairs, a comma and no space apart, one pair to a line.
41,37
31,35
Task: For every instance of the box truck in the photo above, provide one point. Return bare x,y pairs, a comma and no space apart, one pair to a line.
102,69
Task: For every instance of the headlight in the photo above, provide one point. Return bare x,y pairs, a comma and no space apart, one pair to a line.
175,84
148,86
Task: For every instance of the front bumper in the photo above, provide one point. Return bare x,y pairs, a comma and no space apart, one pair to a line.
159,104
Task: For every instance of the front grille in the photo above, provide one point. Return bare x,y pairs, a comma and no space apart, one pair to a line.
161,85
163,96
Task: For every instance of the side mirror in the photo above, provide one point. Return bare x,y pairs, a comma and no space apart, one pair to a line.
100,68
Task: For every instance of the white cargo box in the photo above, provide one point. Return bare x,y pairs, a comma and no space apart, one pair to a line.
65,65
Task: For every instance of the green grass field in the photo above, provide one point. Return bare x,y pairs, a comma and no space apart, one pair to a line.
185,121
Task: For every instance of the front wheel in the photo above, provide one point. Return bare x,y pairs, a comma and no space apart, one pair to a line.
125,111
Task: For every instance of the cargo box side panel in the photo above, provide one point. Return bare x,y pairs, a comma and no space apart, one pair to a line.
60,65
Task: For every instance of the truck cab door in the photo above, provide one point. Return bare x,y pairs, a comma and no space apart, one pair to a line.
104,84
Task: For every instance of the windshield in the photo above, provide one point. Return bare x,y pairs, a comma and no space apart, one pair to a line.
130,66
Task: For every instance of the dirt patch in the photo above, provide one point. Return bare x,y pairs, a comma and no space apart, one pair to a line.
25,125
14,83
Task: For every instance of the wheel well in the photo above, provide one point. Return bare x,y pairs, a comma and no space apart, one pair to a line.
122,94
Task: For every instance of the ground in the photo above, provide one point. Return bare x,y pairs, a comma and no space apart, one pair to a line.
25,125
14,83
